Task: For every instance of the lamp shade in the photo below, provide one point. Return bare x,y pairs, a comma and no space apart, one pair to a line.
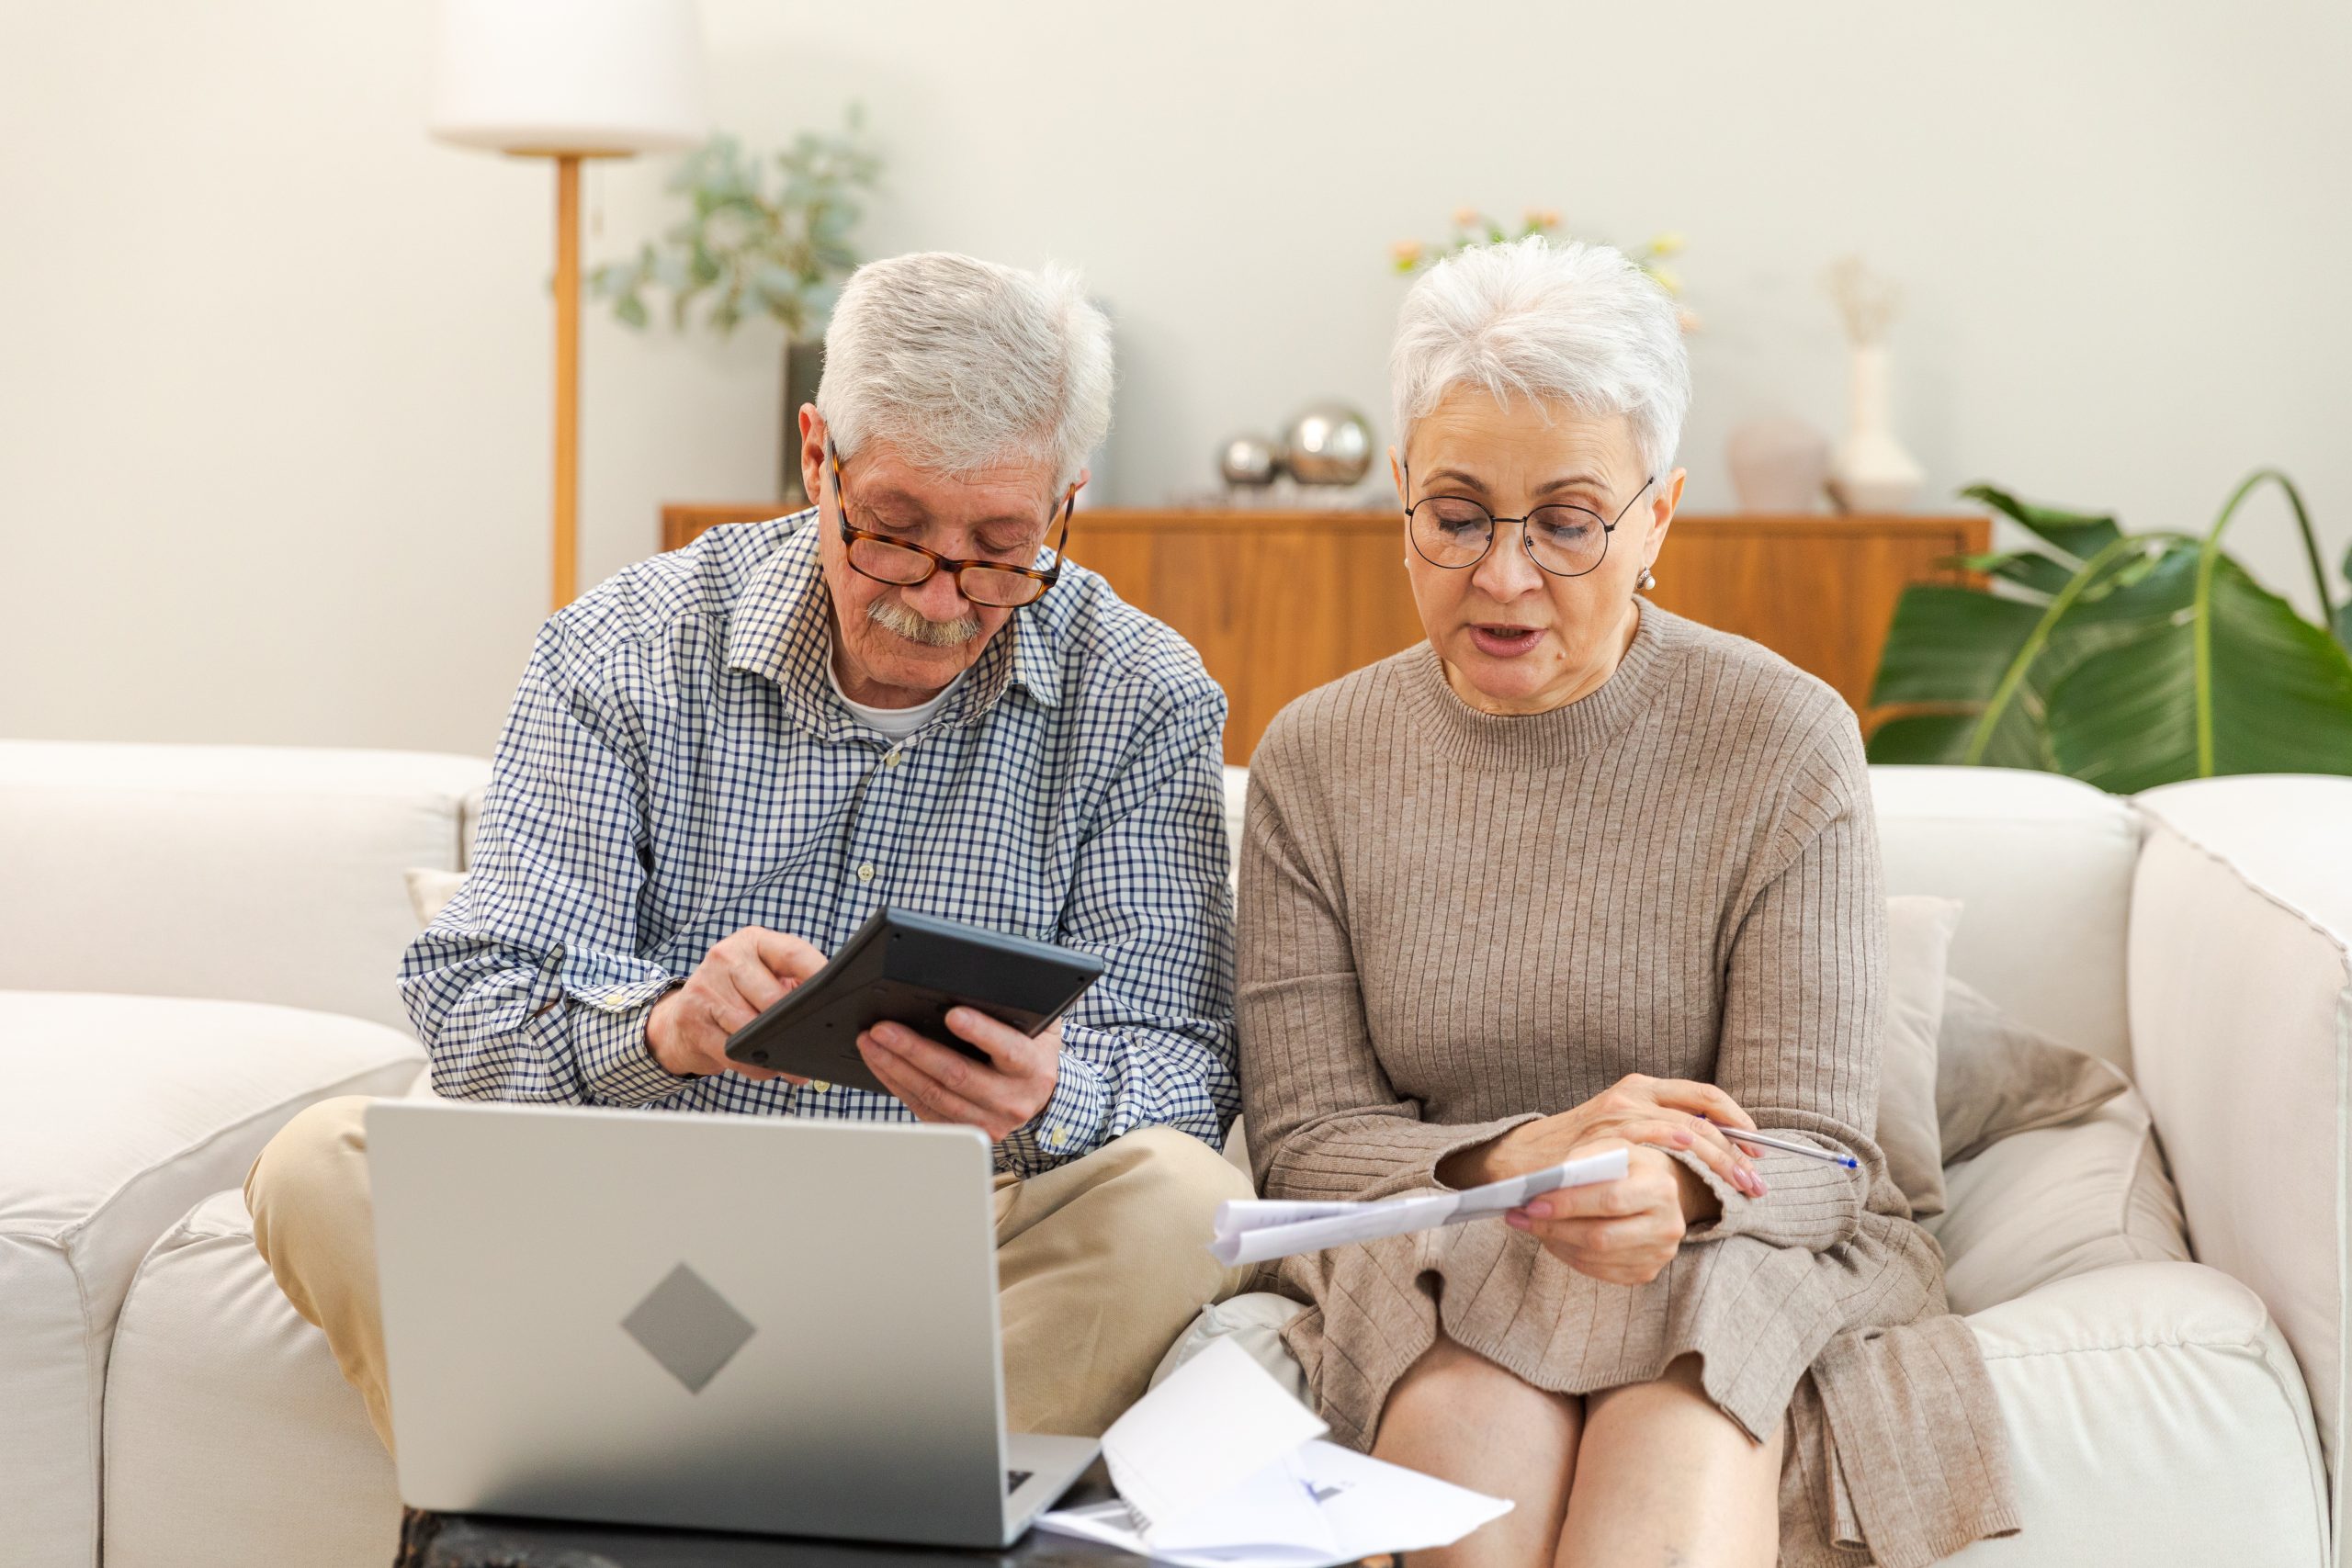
597,77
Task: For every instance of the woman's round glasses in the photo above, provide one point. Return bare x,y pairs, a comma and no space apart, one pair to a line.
997,585
1455,532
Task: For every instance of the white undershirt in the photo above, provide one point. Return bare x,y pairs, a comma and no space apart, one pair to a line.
895,722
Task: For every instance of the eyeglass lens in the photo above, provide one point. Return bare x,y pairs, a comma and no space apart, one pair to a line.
1568,541
980,585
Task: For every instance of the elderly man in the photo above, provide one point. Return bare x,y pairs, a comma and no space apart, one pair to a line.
723,759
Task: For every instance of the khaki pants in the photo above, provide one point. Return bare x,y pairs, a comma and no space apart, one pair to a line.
1099,1263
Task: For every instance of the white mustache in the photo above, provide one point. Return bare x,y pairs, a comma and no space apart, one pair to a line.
893,615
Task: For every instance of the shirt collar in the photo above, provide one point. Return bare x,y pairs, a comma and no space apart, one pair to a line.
782,631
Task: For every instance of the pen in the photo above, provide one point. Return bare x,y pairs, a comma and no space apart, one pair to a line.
1763,1140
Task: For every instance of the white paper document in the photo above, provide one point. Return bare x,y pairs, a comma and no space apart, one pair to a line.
1219,1467
1252,1230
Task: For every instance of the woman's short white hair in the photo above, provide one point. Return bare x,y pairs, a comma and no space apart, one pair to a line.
1552,321
959,364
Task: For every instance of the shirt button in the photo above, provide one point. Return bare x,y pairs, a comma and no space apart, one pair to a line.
865,872
819,1085
1058,1137
893,757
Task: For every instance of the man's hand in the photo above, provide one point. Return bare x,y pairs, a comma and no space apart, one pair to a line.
737,980
939,1084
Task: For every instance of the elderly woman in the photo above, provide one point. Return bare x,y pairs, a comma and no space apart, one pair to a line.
1577,873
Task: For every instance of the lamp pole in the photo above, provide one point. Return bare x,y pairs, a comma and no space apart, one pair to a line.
569,80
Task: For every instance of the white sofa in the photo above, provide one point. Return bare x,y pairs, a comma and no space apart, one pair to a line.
2162,1411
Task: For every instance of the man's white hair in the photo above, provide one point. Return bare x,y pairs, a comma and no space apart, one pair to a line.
1552,321
959,364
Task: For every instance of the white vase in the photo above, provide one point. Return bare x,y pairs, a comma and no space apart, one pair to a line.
1870,472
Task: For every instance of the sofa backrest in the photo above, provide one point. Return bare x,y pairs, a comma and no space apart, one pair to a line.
249,874
2044,865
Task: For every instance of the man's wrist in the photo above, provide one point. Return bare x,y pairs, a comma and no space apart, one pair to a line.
1071,1123
657,1029
617,1063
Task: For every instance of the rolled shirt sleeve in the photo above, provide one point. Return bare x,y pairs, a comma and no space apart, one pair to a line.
528,984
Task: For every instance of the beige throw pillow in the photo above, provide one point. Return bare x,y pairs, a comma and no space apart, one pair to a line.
1995,1078
428,890
1918,938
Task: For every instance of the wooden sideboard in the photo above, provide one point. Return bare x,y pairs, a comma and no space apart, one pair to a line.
1278,603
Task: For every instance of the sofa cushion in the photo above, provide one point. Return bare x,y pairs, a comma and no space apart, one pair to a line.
247,873
2058,1202
1995,1078
1918,940
288,1471
2154,1416
430,890
121,1111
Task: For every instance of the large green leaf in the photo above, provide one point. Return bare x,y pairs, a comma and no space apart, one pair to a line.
1922,738
2279,689
2135,600
1949,645
1964,652
2079,534
2343,611
2030,569
1949,649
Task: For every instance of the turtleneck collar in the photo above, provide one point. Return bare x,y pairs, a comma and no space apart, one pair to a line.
1559,735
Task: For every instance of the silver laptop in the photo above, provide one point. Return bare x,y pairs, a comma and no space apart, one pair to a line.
742,1322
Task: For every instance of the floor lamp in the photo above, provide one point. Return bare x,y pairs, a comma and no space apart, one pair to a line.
569,80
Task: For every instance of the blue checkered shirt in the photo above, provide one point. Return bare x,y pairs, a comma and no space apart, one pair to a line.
677,766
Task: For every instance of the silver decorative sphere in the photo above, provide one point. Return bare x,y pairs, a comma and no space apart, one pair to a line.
1330,443
1248,460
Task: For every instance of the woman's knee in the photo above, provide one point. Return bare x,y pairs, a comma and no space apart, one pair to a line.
1679,1393
1460,1381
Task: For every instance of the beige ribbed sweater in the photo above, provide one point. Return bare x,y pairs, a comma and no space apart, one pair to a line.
1452,922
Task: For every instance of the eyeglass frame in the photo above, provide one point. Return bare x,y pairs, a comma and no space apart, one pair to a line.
851,535
1525,543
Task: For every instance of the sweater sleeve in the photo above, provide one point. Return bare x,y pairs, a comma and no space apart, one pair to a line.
1323,1122
1802,998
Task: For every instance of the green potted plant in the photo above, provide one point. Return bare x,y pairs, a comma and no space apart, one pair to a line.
1471,227
2124,660
750,246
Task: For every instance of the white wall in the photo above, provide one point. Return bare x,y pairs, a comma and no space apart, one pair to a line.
274,367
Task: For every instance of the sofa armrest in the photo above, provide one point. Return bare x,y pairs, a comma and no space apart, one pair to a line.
2241,1005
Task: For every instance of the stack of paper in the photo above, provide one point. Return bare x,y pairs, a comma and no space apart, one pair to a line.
1253,1230
1219,1467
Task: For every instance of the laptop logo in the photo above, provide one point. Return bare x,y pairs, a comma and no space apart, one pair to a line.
688,1327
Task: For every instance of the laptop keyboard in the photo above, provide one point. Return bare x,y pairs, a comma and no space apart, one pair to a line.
1014,1479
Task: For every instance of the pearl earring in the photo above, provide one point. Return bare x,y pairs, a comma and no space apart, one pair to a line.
1648,580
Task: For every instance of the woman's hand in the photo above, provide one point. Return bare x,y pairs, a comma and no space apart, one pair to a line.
1623,1232
1672,1113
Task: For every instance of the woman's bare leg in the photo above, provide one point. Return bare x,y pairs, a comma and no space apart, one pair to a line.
1665,1477
1460,1418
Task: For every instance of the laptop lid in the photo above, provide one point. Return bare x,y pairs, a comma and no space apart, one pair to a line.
722,1321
